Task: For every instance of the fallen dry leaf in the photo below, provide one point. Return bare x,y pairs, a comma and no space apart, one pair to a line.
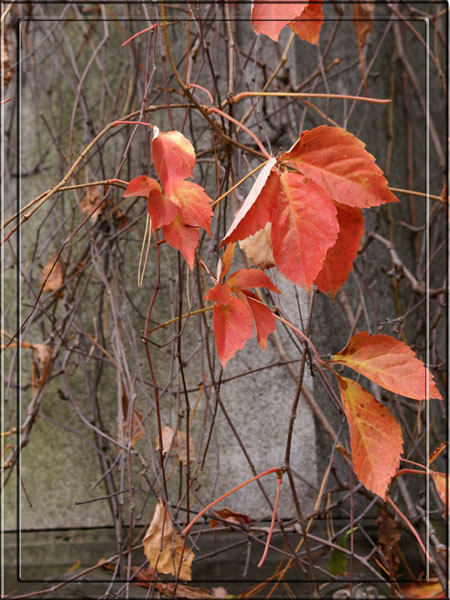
124,428
44,354
55,279
258,248
165,550
177,440
231,516
422,590
89,201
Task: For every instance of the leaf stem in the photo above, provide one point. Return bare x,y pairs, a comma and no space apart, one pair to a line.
236,185
243,95
409,524
223,496
119,122
175,319
242,126
272,524
304,336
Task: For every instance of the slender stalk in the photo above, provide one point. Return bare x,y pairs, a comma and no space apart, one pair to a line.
272,524
242,95
223,496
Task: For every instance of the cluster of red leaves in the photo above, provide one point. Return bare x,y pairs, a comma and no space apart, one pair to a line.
313,196
180,206
236,309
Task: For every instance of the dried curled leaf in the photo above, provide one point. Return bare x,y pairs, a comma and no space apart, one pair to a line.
230,516
44,354
177,440
258,248
124,428
423,590
165,550
89,201
441,483
54,273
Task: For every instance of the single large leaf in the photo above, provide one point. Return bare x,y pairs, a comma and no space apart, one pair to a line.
304,228
232,328
165,550
193,203
337,160
173,157
269,18
309,24
388,362
339,259
183,238
375,437
255,211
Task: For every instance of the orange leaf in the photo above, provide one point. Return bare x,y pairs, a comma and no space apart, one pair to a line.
258,248
422,590
255,211
225,262
441,485
44,354
270,17
183,238
388,362
309,24
55,279
232,328
339,259
173,158
304,227
164,548
375,437
337,160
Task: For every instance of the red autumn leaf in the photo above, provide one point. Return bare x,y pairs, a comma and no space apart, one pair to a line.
250,278
173,157
141,186
234,315
232,327
339,259
337,160
255,211
304,227
270,17
262,317
388,362
375,437
309,24
225,262
183,238
193,204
